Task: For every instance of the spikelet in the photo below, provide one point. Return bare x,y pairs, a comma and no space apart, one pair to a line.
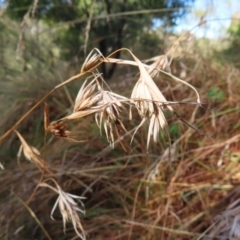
68,208
92,61
30,152
111,107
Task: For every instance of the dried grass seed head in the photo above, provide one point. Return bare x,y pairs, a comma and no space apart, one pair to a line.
150,103
68,208
86,96
59,129
106,105
146,83
142,99
30,152
92,60
149,109
156,124
111,107
86,99
159,63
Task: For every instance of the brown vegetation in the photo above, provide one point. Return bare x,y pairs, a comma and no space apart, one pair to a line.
171,182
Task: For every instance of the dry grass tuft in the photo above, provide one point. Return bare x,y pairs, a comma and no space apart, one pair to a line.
138,193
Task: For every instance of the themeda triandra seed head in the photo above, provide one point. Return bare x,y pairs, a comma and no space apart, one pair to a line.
86,96
92,60
68,208
30,152
111,108
85,103
91,63
159,63
59,129
150,103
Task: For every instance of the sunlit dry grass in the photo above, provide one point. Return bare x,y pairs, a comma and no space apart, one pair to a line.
162,180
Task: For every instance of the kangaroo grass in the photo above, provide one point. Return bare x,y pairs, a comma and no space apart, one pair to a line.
109,108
